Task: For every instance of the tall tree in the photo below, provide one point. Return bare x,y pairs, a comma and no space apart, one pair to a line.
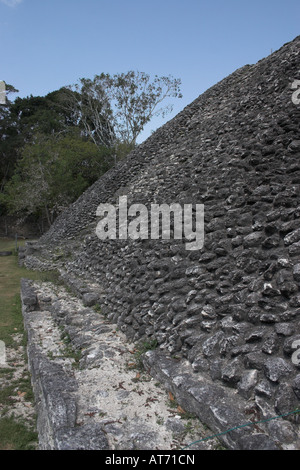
126,101
52,173
52,148
8,146
21,120
89,104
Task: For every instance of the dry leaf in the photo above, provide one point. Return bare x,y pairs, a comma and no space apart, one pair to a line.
21,394
180,410
171,396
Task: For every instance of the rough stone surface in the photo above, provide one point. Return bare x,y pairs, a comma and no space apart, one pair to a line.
97,401
231,309
54,387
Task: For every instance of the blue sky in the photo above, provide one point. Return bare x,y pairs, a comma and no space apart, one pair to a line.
47,44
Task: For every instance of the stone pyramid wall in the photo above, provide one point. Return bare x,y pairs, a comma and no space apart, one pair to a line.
231,309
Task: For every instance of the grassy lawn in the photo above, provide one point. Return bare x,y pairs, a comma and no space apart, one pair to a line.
16,433
10,275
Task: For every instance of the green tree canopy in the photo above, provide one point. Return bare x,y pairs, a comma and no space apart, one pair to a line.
53,147
22,119
52,173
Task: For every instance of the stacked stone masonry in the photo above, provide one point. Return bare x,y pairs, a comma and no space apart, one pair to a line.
232,309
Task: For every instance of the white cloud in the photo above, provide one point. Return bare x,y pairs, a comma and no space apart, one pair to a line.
11,3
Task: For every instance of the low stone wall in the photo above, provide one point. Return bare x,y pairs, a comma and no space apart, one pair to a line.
54,388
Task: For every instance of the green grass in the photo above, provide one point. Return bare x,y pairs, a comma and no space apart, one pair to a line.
14,434
68,349
140,349
11,273
10,276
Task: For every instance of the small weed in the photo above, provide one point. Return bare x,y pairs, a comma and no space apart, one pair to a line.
219,446
140,350
189,426
68,350
160,421
172,403
50,355
187,415
52,276
97,308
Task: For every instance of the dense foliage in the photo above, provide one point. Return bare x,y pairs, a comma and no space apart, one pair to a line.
53,147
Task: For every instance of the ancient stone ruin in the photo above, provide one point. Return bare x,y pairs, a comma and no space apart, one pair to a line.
226,317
